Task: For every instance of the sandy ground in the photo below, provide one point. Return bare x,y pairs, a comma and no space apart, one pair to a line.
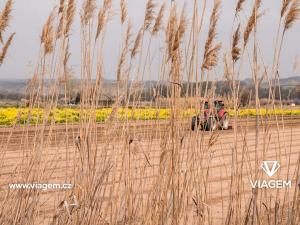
203,170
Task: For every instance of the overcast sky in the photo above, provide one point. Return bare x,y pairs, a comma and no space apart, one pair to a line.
30,15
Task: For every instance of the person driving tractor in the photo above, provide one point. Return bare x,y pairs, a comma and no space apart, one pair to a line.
214,117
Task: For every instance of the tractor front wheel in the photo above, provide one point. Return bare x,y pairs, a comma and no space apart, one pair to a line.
211,124
225,122
195,123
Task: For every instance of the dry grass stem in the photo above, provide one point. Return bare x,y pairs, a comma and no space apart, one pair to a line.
128,35
66,57
228,73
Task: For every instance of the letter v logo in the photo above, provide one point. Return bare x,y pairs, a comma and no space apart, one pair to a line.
274,167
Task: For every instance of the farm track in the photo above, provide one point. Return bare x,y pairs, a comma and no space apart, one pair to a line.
60,158
11,157
13,137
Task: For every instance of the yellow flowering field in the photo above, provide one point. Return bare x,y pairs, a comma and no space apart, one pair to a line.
11,116
264,112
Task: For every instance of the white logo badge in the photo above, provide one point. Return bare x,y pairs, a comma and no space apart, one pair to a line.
270,171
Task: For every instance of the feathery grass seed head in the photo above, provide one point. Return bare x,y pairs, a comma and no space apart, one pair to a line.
211,58
292,15
235,51
5,17
180,32
123,11
61,6
149,14
5,48
158,20
137,43
171,30
70,16
252,21
102,17
239,6
88,9
210,51
47,37
284,7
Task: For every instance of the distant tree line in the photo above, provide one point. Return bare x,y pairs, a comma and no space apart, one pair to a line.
153,91
246,92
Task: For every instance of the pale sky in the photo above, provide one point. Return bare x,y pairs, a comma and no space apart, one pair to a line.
30,15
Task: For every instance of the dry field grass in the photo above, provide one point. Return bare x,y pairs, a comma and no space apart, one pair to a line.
143,168
151,172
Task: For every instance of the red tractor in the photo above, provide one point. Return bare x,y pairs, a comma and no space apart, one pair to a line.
214,117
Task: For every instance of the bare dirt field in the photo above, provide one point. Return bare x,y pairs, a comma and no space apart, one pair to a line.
136,159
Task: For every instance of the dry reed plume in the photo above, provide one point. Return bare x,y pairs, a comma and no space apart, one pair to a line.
136,44
123,8
5,17
125,51
236,51
88,9
150,14
47,37
69,16
61,14
61,6
284,6
103,17
252,21
101,21
5,48
211,52
292,15
171,31
179,33
239,6
158,20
